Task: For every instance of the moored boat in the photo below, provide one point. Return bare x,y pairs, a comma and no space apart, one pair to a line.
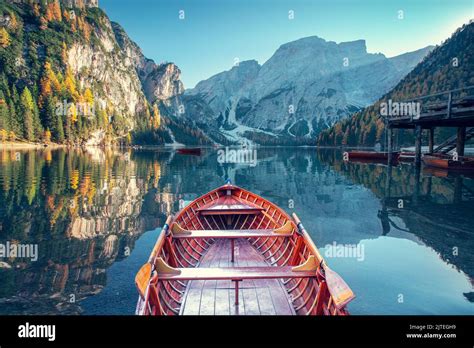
372,157
406,156
190,151
231,251
448,162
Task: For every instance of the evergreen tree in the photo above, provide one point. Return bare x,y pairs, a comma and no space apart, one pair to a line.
59,129
38,128
4,113
27,110
15,123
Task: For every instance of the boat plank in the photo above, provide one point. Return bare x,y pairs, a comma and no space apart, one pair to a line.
208,300
265,302
256,296
222,301
193,302
251,303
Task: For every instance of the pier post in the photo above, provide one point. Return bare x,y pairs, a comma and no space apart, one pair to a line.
389,144
416,189
418,145
458,183
431,140
461,140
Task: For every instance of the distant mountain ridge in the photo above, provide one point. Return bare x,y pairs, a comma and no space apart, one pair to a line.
304,88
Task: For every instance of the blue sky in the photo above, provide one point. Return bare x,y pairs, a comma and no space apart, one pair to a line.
215,32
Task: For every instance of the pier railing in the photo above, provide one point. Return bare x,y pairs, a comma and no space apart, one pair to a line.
456,104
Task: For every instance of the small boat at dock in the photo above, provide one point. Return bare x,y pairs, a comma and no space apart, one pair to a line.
372,156
406,156
448,162
231,251
189,151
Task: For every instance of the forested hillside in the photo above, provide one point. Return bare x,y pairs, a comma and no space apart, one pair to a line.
66,78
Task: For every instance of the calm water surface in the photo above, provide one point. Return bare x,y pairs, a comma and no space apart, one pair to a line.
95,216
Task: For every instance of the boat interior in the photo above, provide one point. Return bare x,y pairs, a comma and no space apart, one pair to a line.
231,252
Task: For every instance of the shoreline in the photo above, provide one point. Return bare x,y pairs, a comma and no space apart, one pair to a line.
16,145
19,145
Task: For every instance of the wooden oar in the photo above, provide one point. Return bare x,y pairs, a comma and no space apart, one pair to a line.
338,288
142,278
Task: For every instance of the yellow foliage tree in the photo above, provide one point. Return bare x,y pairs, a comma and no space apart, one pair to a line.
70,84
57,11
74,181
64,53
3,135
72,112
88,96
45,86
51,76
47,136
36,10
43,23
13,22
73,21
66,15
49,12
156,117
4,38
87,31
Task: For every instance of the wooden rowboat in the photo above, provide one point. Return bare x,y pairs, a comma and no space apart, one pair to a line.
231,251
446,162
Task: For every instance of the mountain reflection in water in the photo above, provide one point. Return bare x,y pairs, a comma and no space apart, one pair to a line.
95,215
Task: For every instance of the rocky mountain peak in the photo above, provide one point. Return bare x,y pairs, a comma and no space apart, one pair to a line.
160,81
163,82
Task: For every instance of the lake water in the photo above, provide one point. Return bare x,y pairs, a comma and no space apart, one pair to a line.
94,216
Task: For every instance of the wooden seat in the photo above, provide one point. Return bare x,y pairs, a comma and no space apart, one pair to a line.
229,205
284,231
305,270
235,274
229,234
230,211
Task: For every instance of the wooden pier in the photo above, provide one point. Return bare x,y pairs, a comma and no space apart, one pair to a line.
454,108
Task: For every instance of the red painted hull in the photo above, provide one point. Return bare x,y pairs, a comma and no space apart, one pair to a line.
371,155
193,152
406,156
446,162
